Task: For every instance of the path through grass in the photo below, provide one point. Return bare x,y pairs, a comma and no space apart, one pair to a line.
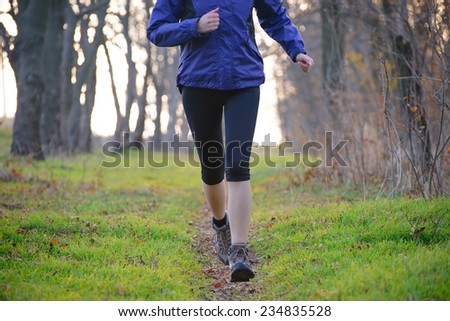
72,230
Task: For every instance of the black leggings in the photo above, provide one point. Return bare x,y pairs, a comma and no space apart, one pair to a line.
204,108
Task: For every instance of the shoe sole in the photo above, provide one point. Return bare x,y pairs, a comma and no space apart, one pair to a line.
242,273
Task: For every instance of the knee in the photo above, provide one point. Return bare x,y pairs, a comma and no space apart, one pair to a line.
237,172
212,163
237,167
212,176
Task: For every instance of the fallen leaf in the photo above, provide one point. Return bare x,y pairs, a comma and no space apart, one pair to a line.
16,173
209,271
152,206
217,285
120,289
54,242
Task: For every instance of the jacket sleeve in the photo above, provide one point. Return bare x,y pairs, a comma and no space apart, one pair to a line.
275,21
165,28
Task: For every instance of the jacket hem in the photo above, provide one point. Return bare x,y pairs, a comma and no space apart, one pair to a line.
221,86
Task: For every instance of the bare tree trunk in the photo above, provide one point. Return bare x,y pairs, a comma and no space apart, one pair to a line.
67,63
119,116
333,44
142,101
160,88
83,85
27,64
123,121
157,136
131,85
53,47
84,144
172,91
74,121
137,135
414,117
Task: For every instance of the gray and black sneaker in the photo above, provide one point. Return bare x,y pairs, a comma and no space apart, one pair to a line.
222,240
238,260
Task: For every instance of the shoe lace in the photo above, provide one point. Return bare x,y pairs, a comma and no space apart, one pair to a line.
222,239
239,253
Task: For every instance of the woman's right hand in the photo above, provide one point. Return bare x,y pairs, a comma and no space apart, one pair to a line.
209,22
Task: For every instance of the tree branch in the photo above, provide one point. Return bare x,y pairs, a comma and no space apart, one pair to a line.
113,84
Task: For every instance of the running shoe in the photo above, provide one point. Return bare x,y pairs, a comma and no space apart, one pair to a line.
222,241
238,261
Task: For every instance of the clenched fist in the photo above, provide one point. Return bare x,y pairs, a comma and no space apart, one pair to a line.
209,22
304,61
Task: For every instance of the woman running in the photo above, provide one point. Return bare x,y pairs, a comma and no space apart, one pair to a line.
220,72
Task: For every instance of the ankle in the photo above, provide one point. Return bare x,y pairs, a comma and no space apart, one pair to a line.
239,243
220,222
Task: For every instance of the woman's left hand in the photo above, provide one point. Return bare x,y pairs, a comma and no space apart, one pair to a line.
304,61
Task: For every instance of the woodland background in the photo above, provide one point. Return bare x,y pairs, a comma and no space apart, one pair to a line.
381,81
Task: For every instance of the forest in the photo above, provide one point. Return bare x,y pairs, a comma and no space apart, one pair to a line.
381,82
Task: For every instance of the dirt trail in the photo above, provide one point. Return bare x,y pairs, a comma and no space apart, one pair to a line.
220,287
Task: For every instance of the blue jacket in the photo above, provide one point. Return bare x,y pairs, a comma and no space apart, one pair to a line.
227,58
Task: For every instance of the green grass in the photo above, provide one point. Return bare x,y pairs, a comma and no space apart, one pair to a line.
73,230
359,251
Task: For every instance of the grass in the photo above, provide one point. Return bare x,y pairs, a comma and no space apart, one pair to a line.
73,230
359,251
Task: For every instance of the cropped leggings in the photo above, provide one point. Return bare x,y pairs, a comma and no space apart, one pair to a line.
204,109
